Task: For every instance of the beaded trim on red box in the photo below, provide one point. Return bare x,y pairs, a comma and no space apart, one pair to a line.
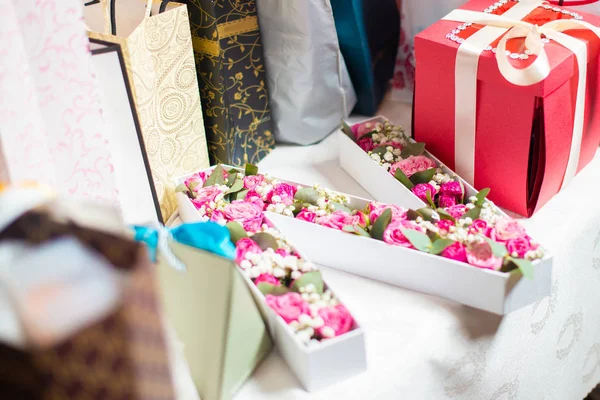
501,6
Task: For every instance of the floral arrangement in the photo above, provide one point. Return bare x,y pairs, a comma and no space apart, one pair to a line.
292,286
473,232
403,158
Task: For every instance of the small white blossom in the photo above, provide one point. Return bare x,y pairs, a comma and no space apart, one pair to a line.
376,157
296,274
327,332
245,264
278,272
386,166
388,156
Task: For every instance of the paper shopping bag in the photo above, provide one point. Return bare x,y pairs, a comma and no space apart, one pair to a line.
51,128
309,86
231,76
79,315
160,65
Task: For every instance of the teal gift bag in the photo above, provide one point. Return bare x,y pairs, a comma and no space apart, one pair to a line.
368,33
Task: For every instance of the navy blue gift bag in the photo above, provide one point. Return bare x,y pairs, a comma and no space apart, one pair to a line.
368,33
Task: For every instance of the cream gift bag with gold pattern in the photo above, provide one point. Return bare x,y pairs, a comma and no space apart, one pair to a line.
159,59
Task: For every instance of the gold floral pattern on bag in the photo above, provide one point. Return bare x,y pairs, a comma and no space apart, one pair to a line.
231,76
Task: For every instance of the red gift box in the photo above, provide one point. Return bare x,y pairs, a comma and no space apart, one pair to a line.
522,135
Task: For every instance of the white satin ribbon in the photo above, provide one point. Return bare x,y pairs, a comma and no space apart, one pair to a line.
467,61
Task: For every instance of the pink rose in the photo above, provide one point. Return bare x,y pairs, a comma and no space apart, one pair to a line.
376,209
243,246
481,255
366,143
248,214
339,219
267,278
421,190
306,215
282,193
337,319
288,306
198,178
206,195
252,181
446,200
456,252
520,246
452,188
393,233
507,228
444,225
253,195
282,252
412,165
217,216
360,130
479,226
457,210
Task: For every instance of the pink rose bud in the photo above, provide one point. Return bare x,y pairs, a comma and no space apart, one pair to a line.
366,144
507,228
481,255
339,219
206,195
337,319
479,226
457,210
451,188
412,165
250,215
360,130
455,252
446,201
244,246
217,216
376,209
267,278
520,246
198,178
288,306
252,181
444,225
306,215
393,233
421,190
285,194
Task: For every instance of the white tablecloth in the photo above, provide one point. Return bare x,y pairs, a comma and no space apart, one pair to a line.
421,347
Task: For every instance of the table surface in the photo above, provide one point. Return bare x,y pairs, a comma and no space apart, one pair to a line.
423,347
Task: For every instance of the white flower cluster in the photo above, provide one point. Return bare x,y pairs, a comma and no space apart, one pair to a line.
331,195
269,262
532,255
391,156
439,178
489,212
306,324
281,208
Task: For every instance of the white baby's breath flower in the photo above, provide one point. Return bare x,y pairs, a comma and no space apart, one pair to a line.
296,274
278,272
388,156
254,272
327,332
245,264
386,166
376,157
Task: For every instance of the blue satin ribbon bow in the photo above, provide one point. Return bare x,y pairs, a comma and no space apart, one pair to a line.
208,236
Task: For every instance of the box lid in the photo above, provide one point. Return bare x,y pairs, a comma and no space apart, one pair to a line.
562,61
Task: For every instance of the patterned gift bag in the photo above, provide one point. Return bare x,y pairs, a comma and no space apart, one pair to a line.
160,63
231,76
90,326
51,128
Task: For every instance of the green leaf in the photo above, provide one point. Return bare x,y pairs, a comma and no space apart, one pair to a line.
498,249
298,206
216,177
307,195
381,224
250,170
440,245
381,150
481,196
429,199
357,230
269,288
473,213
265,241
241,195
193,186
181,188
445,215
423,176
428,214
313,277
348,131
399,175
412,149
236,231
525,266
339,207
231,177
413,214
418,239
433,236
237,185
